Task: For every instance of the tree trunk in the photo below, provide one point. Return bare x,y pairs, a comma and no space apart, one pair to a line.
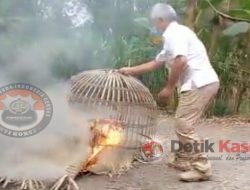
239,99
191,13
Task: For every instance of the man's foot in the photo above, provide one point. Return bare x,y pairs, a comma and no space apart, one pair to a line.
181,164
194,176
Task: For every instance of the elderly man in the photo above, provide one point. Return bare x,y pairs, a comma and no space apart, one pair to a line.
190,70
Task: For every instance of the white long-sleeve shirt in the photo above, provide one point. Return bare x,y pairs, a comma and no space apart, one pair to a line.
179,40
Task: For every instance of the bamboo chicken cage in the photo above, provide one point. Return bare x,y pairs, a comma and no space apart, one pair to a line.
121,98
113,115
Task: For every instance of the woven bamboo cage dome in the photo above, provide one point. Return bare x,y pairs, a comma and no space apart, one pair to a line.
122,98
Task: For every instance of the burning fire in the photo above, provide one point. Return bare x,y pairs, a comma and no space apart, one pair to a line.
105,133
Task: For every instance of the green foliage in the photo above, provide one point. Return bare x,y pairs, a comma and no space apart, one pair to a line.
61,70
240,13
221,108
144,22
204,4
237,28
245,4
245,107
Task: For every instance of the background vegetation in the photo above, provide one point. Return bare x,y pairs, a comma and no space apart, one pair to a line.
59,38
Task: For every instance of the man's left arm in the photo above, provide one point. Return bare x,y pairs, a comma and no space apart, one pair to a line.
178,48
177,68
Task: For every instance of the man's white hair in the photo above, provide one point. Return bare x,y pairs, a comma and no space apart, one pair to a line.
163,11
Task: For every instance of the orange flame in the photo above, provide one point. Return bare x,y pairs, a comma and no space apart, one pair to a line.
106,133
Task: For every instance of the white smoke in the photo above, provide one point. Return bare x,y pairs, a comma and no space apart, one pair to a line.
46,155
77,12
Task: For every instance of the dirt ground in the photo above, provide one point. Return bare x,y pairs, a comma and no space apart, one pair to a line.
230,173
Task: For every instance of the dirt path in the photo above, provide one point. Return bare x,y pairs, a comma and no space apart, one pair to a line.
227,174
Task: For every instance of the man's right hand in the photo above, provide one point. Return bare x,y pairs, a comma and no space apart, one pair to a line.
126,71
141,69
